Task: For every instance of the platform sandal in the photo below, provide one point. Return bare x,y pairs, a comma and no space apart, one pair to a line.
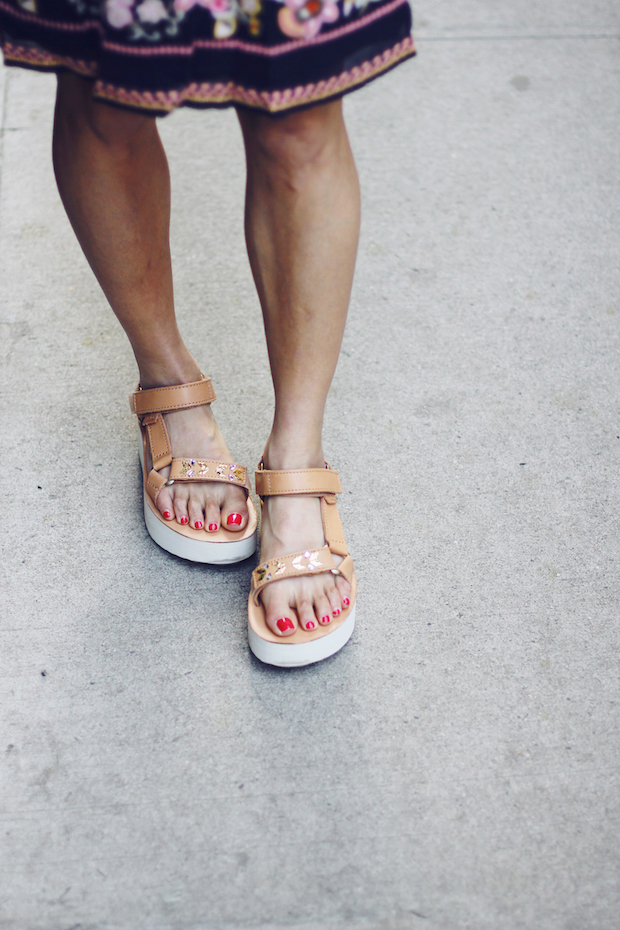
221,547
303,647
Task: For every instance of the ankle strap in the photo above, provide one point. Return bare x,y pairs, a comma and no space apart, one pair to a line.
312,481
176,397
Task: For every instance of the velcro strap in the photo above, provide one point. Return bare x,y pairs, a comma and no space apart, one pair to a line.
176,397
332,526
154,484
311,481
209,470
310,562
158,440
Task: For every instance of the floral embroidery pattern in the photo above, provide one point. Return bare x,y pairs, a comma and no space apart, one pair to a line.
302,19
157,20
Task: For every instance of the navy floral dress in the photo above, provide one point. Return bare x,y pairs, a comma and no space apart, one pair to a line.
155,55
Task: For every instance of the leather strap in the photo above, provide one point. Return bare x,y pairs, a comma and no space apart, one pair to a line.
176,397
209,470
312,481
310,562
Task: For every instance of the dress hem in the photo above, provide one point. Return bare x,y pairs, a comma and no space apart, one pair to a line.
212,94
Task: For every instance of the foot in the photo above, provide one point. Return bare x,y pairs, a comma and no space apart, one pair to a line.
293,524
202,505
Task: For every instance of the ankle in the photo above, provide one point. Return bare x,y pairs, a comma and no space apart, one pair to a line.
167,371
293,452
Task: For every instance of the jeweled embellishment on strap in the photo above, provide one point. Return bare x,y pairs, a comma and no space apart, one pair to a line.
311,562
207,470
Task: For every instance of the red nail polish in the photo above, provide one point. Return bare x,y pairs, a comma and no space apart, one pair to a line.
285,624
346,601
234,518
326,619
336,612
212,527
198,524
167,514
183,521
310,625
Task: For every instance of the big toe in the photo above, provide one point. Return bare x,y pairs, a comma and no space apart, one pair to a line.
279,617
234,513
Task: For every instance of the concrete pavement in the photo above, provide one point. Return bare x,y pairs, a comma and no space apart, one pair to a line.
456,766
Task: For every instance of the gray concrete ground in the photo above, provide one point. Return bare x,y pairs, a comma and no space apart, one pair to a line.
456,766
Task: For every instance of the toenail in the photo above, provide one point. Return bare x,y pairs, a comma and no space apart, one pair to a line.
212,527
167,514
346,601
234,518
336,612
310,625
183,521
326,619
285,624
198,524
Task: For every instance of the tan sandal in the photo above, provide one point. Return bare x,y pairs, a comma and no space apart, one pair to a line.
304,646
221,547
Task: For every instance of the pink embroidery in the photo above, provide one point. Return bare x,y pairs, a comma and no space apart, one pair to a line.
151,11
303,19
119,13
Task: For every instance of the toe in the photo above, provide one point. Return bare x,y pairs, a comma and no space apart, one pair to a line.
235,511
307,617
335,601
323,610
212,517
180,511
280,618
164,504
344,591
196,515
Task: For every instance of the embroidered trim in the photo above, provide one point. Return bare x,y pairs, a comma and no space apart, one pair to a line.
50,23
218,94
39,58
272,101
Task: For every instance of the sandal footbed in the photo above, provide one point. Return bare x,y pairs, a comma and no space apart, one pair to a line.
256,619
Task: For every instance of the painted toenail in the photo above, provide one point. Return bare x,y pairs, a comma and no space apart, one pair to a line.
326,619
212,527
183,521
198,524
285,624
336,612
234,518
346,601
310,625
167,514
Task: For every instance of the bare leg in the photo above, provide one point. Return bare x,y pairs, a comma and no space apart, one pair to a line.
302,228
113,179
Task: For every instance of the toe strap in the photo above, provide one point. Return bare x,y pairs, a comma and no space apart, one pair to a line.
209,470
310,562
198,470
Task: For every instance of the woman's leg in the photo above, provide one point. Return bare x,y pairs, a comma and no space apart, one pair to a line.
302,228
113,179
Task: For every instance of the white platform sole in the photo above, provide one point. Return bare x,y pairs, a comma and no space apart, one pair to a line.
298,654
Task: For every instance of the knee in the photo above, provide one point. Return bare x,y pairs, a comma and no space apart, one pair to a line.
77,111
295,143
